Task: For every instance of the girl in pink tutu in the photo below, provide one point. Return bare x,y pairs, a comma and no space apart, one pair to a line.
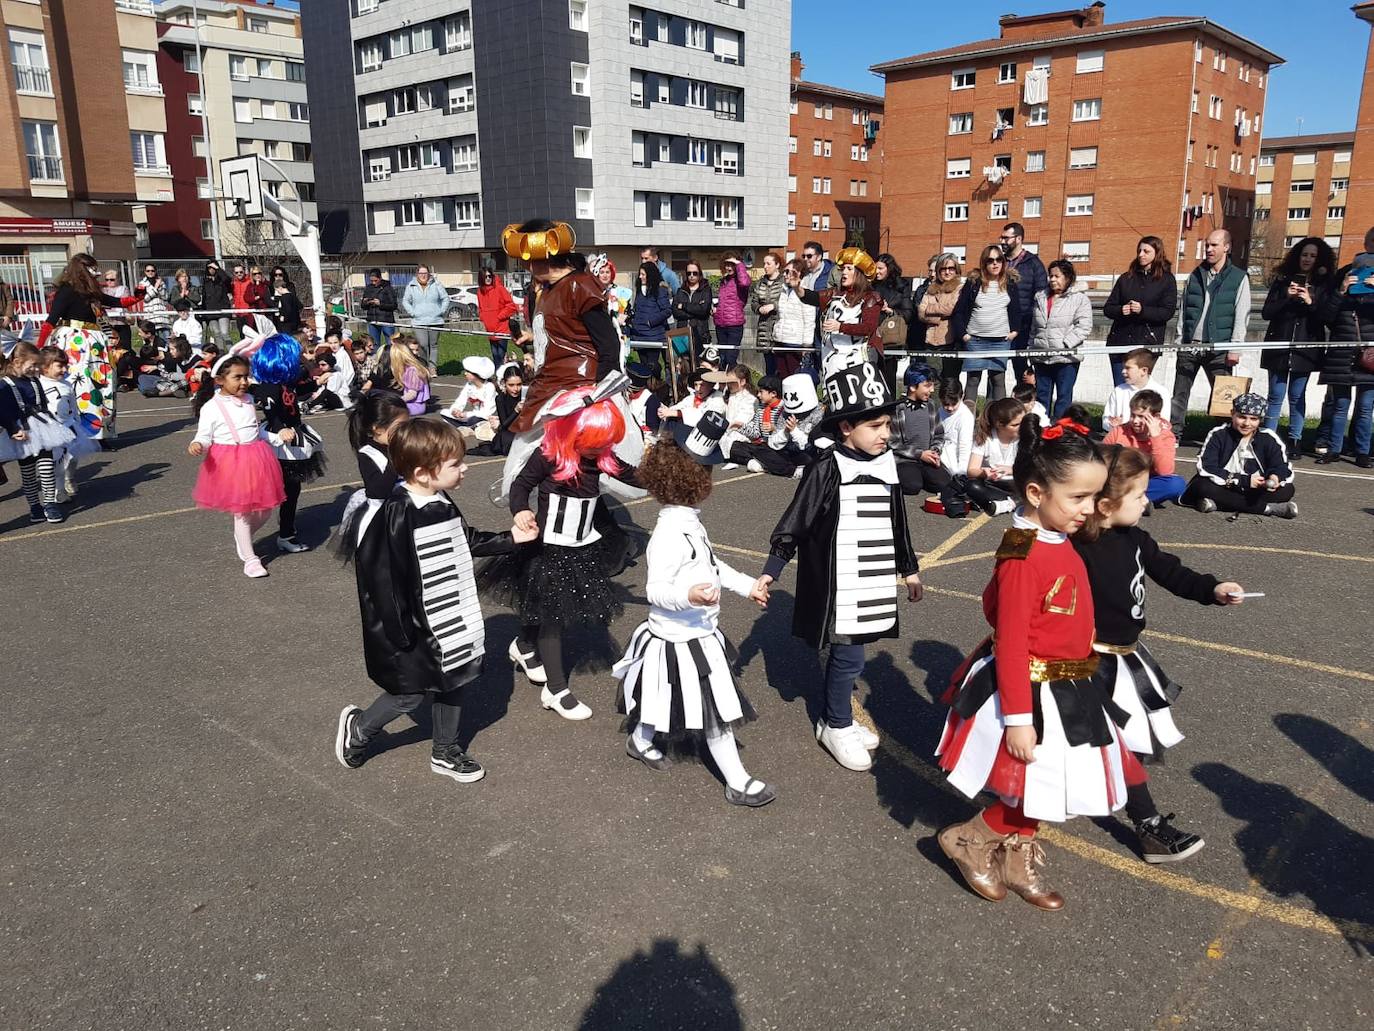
241,474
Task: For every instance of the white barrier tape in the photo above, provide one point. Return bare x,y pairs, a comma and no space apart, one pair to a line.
127,314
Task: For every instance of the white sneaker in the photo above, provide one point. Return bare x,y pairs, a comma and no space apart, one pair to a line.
754,465
533,672
869,739
728,466
797,472
847,747
565,703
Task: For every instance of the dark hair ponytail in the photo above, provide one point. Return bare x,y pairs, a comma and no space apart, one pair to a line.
374,409
1051,461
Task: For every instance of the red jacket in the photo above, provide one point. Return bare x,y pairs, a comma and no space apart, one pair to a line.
1161,449
248,294
495,307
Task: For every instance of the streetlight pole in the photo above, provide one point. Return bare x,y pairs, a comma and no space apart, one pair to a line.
205,130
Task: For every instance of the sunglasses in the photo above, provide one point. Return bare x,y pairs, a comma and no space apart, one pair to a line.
994,261
693,272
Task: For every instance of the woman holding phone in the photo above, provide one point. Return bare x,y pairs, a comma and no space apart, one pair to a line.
1293,311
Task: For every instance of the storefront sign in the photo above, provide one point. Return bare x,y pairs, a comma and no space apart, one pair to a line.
53,226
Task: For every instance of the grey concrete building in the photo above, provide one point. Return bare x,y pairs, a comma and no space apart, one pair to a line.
439,122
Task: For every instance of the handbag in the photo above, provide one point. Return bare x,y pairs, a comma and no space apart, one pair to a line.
892,330
1365,359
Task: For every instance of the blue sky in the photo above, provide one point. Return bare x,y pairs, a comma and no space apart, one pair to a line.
1322,43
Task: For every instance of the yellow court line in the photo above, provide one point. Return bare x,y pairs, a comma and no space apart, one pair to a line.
1271,551
1283,660
7,538
933,556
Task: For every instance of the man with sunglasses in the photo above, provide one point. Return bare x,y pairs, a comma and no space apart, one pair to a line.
821,274
1033,279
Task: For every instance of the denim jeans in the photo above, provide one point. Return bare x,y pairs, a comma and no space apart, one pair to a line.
1055,382
1294,387
842,671
1165,488
1118,364
728,339
380,332
1364,416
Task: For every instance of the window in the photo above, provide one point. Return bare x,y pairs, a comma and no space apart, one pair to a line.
581,80
863,153
257,25
829,111
1305,158
577,15
1035,161
1090,61
1030,207
1079,204
367,6
727,107
825,223
40,145
961,123
1191,144
1214,106
863,187
428,98
203,189
815,184
379,169
422,212
190,62
295,71
402,101
1219,60
1340,156
819,110
958,168
694,35
1195,100
207,229
998,209
407,159
816,147
1087,110
1264,189
1006,72
297,112
1300,186
665,208
791,221
698,152
1237,162
265,70
791,184
1006,119
430,156
792,106
853,187
1038,114
816,222
195,105
696,94
1197,51
1083,157
727,158
1077,251
583,203
637,89
198,146
383,221
698,208
1299,214
1266,161
369,58
791,144
243,111
1261,214
825,185
827,148
140,71
956,212
664,90
30,58
962,78
1339,184
150,151
458,31
582,141
1336,211
853,152
665,149
727,213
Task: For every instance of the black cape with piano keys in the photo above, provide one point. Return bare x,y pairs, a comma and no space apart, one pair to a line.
403,656
808,529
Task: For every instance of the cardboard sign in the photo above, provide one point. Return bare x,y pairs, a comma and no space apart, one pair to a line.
1224,393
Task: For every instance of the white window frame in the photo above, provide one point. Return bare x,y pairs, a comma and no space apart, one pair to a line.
1340,183
371,57
961,123
815,146
791,144
1078,204
963,78
581,79
584,203
726,212
1035,161
462,94
582,141
1266,161
1031,207
998,209
144,144
1005,76
44,150
29,55
1088,109
383,220
577,15
956,212
467,212
1338,157
1078,250
1299,214
195,104
694,34
465,154
243,111
458,32
1038,114
1305,157
1082,157
958,168
698,208
379,168
1089,61
696,94
698,152
144,62
825,186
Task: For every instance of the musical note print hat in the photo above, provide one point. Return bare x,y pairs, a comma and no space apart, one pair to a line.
856,394
702,440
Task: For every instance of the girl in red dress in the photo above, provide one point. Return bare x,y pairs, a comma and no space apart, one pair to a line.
1027,722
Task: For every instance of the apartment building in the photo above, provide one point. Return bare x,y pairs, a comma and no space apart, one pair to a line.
1091,133
834,166
1360,208
439,122
85,131
1301,189
240,74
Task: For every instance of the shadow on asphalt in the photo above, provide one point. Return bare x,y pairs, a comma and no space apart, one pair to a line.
1292,847
664,989
792,668
97,488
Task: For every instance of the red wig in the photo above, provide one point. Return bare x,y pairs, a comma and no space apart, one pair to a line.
589,432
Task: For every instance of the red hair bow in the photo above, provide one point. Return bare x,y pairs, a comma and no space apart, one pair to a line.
1057,430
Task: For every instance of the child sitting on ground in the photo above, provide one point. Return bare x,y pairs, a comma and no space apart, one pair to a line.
741,404
957,419
1242,468
691,408
475,405
918,434
1147,431
995,443
795,441
1025,393
768,416
187,326
1138,369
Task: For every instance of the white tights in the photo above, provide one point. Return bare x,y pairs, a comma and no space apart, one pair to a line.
722,748
244,528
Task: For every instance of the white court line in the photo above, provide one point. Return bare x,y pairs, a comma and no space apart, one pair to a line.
1307,472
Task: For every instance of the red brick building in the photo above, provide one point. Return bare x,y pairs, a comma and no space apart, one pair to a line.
1091,133
834,165
1359,215
1301,190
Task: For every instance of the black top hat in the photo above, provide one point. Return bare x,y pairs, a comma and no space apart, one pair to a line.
702,441
855,394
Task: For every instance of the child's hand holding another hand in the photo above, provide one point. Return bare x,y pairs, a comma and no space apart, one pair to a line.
523,534
526,522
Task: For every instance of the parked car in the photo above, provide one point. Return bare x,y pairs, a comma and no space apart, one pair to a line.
464,302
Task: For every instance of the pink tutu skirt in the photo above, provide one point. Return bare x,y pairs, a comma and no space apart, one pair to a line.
239,478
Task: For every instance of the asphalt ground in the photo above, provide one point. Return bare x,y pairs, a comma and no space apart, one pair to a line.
181,849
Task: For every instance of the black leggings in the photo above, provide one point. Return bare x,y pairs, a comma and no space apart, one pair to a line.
39,479
916,476
547,644
287,512
445,711
1251,500
779,463
997,385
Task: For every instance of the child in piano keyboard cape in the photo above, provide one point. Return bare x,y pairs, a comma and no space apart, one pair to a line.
1028,723
848,520
240,474
564,580
1119,555
423,635
370,425
676,678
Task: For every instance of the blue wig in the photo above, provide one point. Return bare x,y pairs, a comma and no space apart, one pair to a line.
277,360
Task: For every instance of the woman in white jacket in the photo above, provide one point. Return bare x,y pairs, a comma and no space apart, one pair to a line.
796,324
1063,320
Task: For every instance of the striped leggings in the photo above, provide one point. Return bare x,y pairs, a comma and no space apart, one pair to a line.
39,479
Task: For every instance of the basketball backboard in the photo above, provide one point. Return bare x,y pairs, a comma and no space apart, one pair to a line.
242,184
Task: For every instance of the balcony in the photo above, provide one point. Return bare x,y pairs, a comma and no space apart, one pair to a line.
134,6
143,89
28,79
45,169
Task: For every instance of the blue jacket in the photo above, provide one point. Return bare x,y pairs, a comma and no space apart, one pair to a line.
670,278
1270,457
649,316
1032,280
426,306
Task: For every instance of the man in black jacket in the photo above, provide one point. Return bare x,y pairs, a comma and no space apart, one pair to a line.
215,295
379,306
1032,279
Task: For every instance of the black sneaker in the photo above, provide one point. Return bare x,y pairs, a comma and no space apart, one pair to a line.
36,514
347,749
457,764
1161,842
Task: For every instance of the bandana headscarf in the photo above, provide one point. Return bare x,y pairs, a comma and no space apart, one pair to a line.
1249,404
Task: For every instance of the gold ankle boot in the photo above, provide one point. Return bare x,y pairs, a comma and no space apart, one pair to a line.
1021,859
976,851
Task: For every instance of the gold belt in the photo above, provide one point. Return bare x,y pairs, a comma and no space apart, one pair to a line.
1044,670
1104,648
